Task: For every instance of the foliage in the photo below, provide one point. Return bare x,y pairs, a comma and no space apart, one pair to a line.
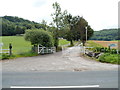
20,45
70,22
63,42
57,17
106,35
39,36
6,56
110,58
83,26
15,25
22,54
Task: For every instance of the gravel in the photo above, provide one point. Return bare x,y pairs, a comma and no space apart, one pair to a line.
67,60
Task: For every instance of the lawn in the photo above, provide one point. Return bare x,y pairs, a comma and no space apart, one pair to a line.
20,45
63,42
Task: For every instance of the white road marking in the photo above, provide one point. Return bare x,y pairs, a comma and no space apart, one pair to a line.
87,86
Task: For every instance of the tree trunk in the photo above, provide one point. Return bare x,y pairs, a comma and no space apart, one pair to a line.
71,42
83,43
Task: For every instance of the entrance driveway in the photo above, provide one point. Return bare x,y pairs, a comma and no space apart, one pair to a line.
67,60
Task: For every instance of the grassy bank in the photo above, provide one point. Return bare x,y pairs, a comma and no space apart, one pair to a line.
109,56
20,47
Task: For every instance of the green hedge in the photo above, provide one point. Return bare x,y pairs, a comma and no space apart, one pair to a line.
110,58
105,50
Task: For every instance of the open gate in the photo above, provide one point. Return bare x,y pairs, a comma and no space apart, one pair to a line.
46,50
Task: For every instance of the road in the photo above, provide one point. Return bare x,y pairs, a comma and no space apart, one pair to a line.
105,79
64,68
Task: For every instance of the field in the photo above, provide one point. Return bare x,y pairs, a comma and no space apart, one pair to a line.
20,45
106,43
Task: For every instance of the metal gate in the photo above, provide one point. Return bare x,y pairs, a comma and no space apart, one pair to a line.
46,50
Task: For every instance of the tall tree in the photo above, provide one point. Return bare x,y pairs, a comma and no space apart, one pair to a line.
84,29
70,22
57,19
44,24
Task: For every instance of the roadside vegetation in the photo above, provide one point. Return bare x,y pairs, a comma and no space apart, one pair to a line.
21,47
110,55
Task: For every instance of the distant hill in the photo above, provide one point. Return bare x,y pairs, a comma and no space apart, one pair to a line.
106,35
12,25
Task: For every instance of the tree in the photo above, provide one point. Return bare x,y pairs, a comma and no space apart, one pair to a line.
39,36
71,30
44,24
19,30
82,25
57,19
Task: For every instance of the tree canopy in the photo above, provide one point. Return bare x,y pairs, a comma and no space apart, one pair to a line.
38,36
14,25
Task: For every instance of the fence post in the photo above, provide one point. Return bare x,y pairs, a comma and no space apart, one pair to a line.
10,49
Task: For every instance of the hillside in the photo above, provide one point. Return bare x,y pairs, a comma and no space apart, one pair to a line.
12,25
106,35
15,25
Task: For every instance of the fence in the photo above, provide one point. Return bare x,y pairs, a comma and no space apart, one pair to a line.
46,50
84,49
5,51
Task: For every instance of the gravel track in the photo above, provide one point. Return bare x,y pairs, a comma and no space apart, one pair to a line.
67,60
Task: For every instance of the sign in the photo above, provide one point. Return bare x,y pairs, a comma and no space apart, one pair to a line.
112,45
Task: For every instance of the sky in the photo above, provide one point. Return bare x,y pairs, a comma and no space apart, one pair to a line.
100,14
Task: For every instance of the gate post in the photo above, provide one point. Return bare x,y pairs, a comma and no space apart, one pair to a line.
10,49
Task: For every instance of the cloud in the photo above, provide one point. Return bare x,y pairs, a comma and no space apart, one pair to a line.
99,13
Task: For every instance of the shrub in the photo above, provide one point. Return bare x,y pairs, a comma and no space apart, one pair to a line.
110,58
39,36
6,56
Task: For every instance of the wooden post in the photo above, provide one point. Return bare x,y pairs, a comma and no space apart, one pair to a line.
10,49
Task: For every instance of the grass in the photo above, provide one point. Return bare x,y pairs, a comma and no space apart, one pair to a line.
91,43
110,58
107,57
20,45
63,42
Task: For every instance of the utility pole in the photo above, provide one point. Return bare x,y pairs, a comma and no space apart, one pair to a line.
86,33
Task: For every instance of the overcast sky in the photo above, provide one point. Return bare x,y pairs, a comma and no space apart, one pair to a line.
100,14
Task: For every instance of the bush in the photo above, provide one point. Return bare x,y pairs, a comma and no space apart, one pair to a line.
110,58
6,56
105,50
39,36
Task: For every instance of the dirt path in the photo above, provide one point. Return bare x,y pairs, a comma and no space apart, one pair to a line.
67,60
